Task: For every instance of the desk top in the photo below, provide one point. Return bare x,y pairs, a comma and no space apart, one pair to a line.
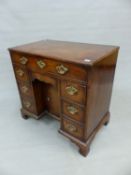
80,53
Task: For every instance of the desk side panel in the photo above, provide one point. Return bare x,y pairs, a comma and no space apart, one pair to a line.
101,78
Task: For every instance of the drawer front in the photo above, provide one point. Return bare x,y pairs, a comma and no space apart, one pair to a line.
28,104
73,129
73,111
64,70
21,74
73,91
25,89
19,58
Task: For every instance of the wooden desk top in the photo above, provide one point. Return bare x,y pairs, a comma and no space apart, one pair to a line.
79,53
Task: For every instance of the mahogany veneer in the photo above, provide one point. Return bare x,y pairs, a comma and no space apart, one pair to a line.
70,81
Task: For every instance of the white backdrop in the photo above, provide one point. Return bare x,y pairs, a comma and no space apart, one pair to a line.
34,147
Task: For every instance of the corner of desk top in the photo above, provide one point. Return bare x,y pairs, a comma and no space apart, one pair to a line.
115,50
10,49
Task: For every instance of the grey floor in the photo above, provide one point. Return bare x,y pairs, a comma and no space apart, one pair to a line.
35,147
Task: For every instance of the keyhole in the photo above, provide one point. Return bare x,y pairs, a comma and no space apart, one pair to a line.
48,98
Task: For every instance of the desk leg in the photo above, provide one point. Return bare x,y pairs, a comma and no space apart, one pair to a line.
26,114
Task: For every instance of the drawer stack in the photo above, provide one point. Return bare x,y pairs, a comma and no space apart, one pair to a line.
73,99
20,63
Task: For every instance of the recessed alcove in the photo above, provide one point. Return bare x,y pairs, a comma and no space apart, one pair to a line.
46,95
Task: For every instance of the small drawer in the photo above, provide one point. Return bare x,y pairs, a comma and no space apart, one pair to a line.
28,104
19,58
73,111
73,91
72,128
25,88
21,74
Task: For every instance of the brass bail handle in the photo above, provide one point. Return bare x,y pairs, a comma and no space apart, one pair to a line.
27,104
71,128
72,110
24,89
61,69
41,64
20,72
23,60
71,90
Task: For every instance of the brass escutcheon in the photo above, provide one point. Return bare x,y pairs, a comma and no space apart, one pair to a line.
61,69
71,90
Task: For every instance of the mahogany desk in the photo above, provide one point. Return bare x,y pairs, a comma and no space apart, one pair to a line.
70,81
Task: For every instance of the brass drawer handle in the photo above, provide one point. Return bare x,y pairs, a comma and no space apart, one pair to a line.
61,69
72,110
71,127
41,64
71,90
24,89
23,60
27,104
20,72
